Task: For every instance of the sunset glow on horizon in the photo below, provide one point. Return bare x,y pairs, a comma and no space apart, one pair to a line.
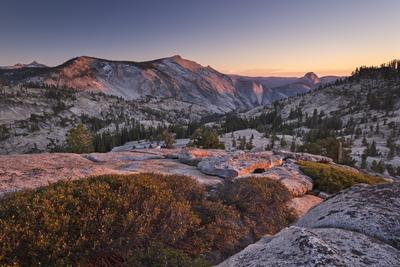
253,38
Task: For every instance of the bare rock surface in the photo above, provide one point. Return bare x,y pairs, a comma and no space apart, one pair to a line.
371,210
236,164
29,171
193,156
301,205
122,156
297,246
170,166
302,156
358,227
34,170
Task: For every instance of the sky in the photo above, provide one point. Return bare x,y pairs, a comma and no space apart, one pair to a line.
248,37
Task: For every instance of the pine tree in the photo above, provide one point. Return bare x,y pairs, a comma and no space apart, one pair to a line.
365,142
364,163
242,143
273,138
249,145
233,142
372,151
168,138
293,146
392,151
374,166
381,166
377,128
283,141
79,140
378,166
206,138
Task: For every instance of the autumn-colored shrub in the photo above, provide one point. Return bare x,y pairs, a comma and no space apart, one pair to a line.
332,178
116,220
159,255
220,230
67,222
261,203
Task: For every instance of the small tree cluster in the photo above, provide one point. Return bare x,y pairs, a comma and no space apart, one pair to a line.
79,140
206,138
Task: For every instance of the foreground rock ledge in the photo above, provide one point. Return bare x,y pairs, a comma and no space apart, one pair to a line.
205,166
358,227
371,210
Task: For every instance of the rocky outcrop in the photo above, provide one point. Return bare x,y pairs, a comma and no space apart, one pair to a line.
40,169
34,170
358,227
236,164
297,246
302,156
371,210
290,176
193,156
30,171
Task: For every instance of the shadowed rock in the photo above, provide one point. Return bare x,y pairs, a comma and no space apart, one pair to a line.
236,164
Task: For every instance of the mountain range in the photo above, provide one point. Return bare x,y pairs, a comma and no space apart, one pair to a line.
33,64
167,78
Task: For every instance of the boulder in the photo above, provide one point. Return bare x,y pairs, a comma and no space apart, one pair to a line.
371,210
301,205
297,246
192,156
239,163
297,186
302,156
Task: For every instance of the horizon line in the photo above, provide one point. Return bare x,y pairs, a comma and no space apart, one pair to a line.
255,73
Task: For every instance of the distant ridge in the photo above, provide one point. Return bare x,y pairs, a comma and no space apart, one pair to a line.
169,77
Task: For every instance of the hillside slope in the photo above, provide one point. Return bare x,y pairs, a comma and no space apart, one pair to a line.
363,111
